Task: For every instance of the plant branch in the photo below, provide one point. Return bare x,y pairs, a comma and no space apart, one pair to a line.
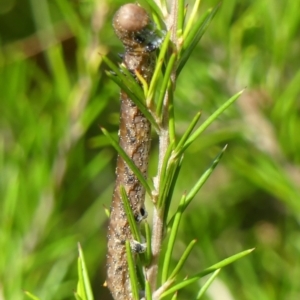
164,141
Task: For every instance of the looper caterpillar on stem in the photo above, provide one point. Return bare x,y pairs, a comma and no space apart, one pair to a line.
134,28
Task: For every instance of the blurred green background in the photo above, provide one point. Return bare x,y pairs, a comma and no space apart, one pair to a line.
57,169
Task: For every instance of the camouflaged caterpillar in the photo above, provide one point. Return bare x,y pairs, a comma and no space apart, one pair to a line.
135,29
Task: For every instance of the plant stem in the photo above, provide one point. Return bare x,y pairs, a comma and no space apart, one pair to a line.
164,141
158,226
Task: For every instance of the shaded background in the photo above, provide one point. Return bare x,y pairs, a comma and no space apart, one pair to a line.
57,169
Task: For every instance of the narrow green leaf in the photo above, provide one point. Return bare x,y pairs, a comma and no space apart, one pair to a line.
207,284
211,118
148,291
130,81
59,71
175,296
203,178
180,17
223,263
187,132
209,270
195,35
128,160
77,297
198,185
134,98
144,85
166,181
171,126
171,189
75,23
130,217
125,76
191,19
106,211
124,87
139,261
132,273
165,84
148,254
159,63
81,293
31,296
183,259
154,8
171,241
169,182
83,275
165,165
130,86
80,285
179,286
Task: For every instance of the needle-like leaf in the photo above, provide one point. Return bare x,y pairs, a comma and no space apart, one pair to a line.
207,284
159,63
171,241
187,133
203,178
84,290
130,217
164,86
148,291
194,36
211,118
128,160
183,259
132,272
209,270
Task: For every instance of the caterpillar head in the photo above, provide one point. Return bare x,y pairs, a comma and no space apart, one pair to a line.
135,29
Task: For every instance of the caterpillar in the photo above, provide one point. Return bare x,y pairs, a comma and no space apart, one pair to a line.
134,28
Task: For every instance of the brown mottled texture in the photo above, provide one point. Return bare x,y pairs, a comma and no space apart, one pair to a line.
131,24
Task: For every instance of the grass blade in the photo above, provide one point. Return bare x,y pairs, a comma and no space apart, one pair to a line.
84,289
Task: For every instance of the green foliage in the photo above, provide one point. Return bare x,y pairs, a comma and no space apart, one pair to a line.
57,171
84,291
